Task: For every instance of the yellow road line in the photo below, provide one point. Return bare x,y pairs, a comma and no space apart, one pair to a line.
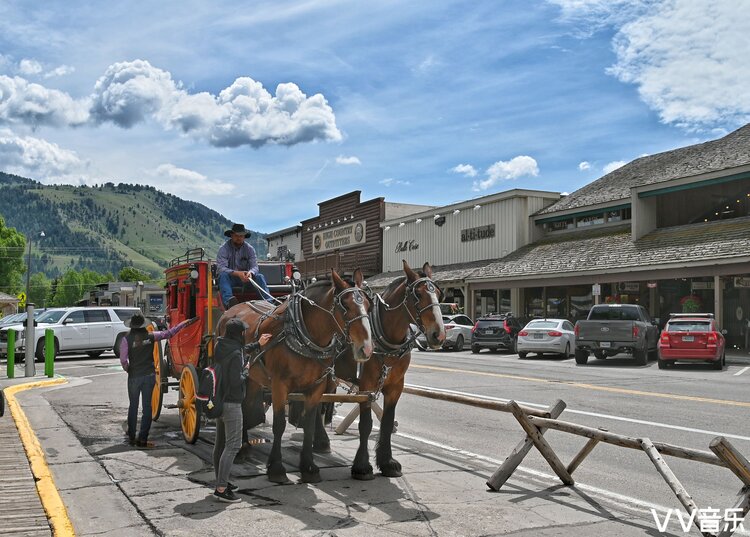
45,483
590,386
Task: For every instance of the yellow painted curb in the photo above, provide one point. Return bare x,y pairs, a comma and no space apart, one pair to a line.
45,484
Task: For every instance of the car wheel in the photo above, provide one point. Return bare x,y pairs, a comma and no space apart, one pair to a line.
719,364
474,349
663,364
582,357
522,355
641,356
94,354
459,344
600,355
39,354
566,354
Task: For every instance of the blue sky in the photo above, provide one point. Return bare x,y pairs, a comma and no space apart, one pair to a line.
421,102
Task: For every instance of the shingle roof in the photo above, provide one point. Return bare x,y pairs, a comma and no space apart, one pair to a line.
612,249
440,274
728,152
8,298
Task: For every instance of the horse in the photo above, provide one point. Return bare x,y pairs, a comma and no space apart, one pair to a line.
309,330
410,299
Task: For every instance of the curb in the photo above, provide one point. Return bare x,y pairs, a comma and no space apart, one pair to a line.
45,484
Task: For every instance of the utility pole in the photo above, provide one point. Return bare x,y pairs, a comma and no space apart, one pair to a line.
28,263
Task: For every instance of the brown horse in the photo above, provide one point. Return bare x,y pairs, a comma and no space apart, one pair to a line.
310,329
413,299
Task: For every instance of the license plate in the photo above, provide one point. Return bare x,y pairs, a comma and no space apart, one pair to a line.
688,338
605,344
488,330
538,336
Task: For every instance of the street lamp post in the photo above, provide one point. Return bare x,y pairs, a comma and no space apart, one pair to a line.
28,264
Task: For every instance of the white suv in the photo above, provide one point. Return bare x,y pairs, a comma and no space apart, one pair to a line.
90,330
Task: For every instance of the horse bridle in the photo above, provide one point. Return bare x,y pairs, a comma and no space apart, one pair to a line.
338,302
411,292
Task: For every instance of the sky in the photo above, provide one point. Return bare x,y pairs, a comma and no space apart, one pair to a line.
260,110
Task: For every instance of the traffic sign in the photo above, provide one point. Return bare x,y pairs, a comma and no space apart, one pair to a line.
21,300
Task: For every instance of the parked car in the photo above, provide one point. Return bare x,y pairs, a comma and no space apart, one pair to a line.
457,332
692,337
616,328
16,322
495,332
92,330
547,336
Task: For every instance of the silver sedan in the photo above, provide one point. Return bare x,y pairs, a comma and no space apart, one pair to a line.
547,336
457,333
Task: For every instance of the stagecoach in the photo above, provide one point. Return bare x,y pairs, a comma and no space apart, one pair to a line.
192,291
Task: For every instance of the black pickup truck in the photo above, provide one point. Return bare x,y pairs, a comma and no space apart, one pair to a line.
617,328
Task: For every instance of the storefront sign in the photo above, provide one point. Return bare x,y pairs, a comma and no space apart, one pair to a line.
742,281
651,285
339,237
629,287
478,233
596,290
407,246
701,286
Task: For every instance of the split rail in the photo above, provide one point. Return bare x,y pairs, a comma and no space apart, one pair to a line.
535,422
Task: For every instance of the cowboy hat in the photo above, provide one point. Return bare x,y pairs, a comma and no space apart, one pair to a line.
136,321
237,228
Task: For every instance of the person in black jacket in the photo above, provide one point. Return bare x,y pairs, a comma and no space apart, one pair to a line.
229,355
137,358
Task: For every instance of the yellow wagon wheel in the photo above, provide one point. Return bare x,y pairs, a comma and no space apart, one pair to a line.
157,396
190,411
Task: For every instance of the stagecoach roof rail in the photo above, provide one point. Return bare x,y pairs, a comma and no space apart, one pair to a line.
194,254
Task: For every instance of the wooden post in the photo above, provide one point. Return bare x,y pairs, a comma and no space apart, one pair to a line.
578,459
541,444
743,505
734,460
502,474
685,499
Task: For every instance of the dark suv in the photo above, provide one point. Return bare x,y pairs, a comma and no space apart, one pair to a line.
495,332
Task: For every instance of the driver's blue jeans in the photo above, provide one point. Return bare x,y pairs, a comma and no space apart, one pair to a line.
226,282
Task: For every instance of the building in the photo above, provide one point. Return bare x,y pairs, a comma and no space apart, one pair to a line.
286,244
347,235
460,238
150,297
669,231
8,304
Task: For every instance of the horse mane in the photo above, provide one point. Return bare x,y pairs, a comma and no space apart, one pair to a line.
394,285
313,291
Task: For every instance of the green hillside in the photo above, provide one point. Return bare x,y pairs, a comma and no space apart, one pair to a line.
107,227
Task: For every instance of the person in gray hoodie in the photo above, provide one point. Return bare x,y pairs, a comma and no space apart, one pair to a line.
229,353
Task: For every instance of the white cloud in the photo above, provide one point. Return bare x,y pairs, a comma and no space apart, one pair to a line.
61,70
182,181
345,161
686,58
519,166
583,166
40,159
612,166
129,93
27,103
390,181
29,67
466,169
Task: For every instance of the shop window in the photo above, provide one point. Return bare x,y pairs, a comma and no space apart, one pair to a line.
561,225
591,220
557,302
534,302
486,302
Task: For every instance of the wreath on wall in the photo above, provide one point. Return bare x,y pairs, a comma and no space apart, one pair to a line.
691,304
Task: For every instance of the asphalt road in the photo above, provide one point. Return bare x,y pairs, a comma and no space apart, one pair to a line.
685,405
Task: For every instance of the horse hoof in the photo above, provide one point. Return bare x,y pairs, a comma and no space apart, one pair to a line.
311,477
363,477
280,479
322,449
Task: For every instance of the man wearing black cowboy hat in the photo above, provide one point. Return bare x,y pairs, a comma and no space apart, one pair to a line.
137,358
237,265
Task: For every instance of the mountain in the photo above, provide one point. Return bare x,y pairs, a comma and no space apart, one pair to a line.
106,227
